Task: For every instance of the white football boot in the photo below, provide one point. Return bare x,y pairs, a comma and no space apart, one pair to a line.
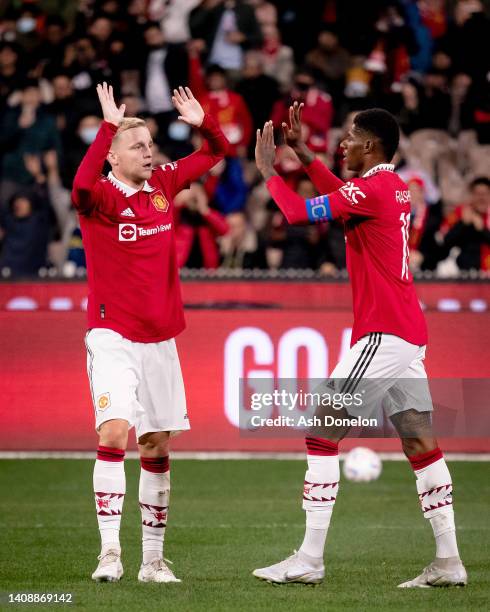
110,568
440,573
296,568
156,571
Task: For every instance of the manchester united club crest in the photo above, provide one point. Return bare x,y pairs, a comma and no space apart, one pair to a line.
159,201
103,401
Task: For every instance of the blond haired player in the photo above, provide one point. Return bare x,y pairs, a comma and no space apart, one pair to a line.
134,313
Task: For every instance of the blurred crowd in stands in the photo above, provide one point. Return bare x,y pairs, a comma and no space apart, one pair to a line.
427,61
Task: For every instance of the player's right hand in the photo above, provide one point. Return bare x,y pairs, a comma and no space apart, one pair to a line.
292,132
110,111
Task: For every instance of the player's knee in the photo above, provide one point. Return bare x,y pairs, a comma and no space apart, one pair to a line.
114,434
417,446
155,444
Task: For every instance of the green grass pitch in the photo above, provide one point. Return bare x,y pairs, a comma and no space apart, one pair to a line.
228,517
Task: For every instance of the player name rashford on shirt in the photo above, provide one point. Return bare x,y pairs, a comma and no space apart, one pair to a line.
129,239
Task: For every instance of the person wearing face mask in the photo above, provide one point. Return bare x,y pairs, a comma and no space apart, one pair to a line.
77,146
317,111
26,26
25,128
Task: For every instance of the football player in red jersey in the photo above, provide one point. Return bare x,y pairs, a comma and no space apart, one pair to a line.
389,336
134,313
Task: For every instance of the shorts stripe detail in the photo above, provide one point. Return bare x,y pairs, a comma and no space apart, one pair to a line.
370,358
359,362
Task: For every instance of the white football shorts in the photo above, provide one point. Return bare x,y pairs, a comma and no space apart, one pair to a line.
136,381
398,367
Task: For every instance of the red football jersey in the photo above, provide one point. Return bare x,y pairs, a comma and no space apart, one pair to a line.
129,239
376,214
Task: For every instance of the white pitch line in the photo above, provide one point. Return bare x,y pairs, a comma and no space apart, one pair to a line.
225,455
259,526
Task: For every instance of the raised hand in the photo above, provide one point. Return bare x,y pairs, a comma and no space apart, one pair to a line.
292,132
190,110
110,111
265,150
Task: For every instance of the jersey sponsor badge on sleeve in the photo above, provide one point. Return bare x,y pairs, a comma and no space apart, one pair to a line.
351,192
127,232
159,201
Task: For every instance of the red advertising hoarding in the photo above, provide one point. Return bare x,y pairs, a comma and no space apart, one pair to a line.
234,330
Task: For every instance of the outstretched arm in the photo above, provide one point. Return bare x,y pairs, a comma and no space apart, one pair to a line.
84,195
190,168
352,200
323,179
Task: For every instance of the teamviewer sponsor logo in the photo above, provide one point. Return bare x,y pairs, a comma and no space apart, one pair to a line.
127,232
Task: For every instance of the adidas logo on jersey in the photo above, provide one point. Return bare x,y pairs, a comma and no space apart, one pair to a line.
127,213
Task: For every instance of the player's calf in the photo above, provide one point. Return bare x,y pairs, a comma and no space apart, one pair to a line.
435,488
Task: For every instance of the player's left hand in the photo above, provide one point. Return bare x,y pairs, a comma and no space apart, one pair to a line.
190,110
265,150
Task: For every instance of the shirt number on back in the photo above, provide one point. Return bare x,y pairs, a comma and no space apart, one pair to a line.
405,219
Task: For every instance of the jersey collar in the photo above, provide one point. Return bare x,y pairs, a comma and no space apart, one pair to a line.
379,168
127,189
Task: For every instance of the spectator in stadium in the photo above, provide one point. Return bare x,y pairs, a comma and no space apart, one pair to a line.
217,99
138,16
265,12
77,146
278,59
29,20
8,25
241,247
468,31
173,16
11,70
436,104
164,67
462,104
330,61
25,128
394,43
468,228
83,65
425,103
228,28
317,112
50,53
254,80
226,186
65,107
25,231
197,227
101,29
